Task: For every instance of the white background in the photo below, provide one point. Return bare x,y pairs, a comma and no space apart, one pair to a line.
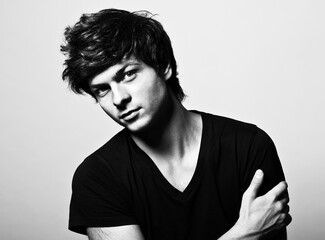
256,61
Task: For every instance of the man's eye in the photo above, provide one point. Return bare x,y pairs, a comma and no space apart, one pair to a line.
101,92
129,75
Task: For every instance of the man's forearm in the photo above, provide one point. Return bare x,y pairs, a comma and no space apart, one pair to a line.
239,234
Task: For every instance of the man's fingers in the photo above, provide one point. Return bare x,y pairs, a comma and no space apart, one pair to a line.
284,200
286,209
282,206
256,182
288,219
279,190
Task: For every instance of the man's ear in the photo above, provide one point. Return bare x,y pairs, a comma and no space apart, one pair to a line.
168,72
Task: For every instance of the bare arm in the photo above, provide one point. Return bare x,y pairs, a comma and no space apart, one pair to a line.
261,216
115,233
258,217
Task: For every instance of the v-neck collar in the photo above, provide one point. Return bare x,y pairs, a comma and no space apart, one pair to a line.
160,178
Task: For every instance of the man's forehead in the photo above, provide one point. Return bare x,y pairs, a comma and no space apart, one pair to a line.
111,72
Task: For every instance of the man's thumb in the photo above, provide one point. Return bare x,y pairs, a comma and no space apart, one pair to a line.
256,182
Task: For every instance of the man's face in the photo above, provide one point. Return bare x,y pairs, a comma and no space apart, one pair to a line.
131,93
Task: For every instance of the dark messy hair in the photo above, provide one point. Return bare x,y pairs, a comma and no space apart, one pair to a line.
101,40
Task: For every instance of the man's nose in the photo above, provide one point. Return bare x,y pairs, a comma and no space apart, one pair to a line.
120,96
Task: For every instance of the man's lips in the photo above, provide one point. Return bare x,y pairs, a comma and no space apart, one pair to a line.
129,114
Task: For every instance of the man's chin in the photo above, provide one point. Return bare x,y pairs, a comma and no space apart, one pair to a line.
139,127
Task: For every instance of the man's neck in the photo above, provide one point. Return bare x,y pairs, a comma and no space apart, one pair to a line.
173,137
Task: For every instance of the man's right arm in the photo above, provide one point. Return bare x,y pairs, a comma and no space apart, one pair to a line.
115,233
258,217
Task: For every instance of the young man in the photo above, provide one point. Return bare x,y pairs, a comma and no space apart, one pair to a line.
170,173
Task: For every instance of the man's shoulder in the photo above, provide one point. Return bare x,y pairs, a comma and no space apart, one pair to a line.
229,126
115,147
105,170
243,133
111,155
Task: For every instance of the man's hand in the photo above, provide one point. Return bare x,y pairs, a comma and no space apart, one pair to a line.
262,215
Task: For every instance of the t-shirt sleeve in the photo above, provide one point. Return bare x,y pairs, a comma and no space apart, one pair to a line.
262,154
99,198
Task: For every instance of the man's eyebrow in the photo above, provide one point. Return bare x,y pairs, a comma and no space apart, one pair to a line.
95,86
117,76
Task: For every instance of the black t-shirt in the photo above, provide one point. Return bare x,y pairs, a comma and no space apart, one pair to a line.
120,185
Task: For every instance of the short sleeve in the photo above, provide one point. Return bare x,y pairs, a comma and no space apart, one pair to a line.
263,155
99,198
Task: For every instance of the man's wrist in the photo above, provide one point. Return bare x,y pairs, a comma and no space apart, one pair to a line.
240,232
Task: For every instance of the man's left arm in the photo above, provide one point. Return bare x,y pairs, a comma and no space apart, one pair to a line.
263,155
261,217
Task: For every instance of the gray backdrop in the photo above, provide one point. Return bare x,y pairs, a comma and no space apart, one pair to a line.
257,61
